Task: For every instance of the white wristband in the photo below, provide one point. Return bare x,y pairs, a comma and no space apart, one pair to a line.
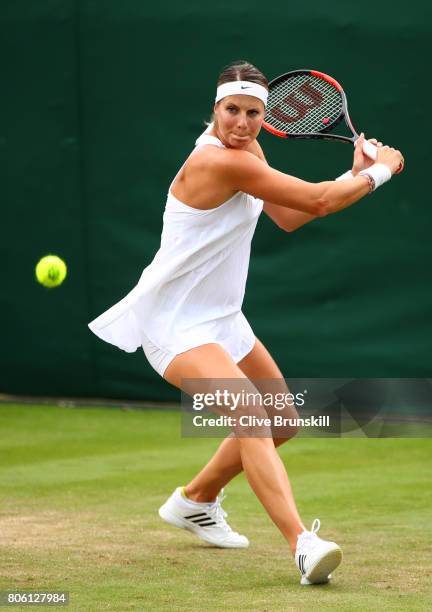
346,176
379,173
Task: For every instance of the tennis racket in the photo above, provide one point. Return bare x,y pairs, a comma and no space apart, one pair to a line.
309,104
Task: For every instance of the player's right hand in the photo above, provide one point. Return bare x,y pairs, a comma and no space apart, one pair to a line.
390,157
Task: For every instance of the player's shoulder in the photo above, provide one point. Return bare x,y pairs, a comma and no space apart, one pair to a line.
216,158
256,149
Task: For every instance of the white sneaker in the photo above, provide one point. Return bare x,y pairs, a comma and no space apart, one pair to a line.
316,558
206,520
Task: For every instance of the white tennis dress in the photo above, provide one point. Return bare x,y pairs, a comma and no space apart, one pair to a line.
192,292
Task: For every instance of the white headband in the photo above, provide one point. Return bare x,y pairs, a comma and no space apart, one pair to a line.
243,88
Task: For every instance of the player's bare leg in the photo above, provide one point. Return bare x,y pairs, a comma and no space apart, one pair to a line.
257,456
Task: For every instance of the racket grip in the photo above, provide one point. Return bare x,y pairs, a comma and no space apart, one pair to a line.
370,150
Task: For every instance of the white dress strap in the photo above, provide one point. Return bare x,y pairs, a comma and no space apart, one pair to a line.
207,139
204,139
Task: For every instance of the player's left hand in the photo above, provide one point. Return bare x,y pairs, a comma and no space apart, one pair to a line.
362,161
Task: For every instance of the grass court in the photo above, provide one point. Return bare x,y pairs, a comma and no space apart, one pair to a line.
80,489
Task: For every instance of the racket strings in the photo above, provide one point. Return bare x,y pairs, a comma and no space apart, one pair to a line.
303,104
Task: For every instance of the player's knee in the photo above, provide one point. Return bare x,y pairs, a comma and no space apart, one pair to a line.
288,433
252,421
285,424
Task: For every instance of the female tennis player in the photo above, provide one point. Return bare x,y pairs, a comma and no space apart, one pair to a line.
186,308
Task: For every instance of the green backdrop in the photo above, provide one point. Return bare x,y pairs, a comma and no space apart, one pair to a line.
101,102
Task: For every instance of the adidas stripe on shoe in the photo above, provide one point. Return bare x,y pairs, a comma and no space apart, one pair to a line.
316,558
206,520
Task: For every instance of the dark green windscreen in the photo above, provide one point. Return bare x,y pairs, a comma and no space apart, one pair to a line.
101,103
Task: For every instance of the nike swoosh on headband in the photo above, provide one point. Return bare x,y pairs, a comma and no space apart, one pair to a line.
238,87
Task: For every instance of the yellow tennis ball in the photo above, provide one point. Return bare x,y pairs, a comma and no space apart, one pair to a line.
51,271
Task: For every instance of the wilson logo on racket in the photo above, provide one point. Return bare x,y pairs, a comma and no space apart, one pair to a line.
309,104
296,101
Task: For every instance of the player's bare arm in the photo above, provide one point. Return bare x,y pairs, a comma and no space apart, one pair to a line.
243,171
289,219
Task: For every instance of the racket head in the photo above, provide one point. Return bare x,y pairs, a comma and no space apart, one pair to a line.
306,104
